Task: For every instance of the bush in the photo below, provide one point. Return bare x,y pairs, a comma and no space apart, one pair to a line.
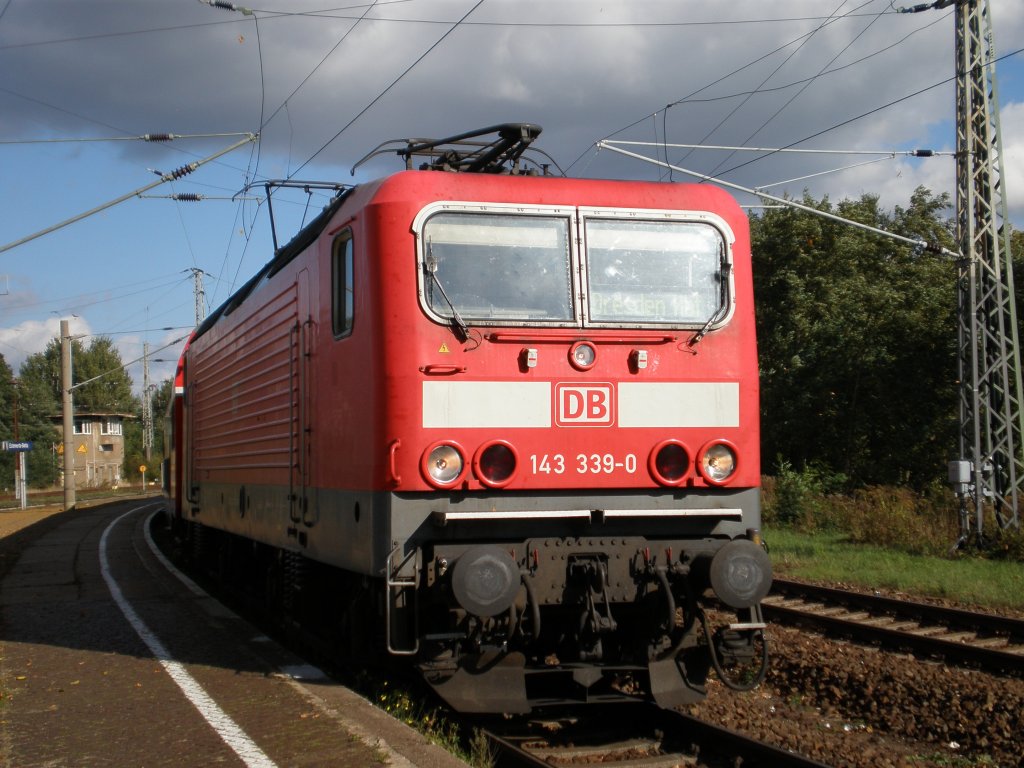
925,523
901,519
798,498
1007,545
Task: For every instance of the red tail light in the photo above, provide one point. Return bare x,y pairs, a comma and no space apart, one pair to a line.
495,464
669,462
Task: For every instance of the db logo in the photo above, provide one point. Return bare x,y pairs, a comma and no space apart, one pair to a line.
584,405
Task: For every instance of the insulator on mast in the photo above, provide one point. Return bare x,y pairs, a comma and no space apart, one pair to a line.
185,170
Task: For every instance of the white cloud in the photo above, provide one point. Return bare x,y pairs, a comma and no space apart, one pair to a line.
1011,123
31,337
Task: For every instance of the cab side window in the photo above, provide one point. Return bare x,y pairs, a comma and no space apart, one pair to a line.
343,306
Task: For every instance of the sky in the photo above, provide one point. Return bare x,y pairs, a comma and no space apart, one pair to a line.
323,83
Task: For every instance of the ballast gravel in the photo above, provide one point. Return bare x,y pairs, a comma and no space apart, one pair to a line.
852,706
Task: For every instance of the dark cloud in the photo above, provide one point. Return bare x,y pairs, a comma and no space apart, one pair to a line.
325,86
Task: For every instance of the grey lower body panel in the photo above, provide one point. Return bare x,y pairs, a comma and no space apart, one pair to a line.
357,530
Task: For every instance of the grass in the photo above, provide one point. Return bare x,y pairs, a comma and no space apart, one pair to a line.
831,556
410,705
407,706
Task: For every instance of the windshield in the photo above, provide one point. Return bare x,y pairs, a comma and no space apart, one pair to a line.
507,266
653,272
498,267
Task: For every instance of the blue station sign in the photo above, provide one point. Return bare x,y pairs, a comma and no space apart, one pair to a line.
15,447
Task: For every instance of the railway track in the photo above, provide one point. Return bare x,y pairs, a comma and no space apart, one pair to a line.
979,640
617,739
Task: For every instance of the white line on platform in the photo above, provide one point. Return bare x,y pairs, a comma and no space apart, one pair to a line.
226,728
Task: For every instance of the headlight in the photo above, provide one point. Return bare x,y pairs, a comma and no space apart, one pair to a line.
717,462
583,355
442,464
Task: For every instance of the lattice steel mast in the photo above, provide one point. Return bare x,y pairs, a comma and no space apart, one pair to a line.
990,470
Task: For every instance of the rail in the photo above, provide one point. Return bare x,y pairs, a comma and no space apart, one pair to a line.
665,739
958,636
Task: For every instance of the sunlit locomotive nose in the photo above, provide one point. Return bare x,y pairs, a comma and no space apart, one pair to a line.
741,573
485,581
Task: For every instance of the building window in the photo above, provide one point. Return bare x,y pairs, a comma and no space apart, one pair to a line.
83,427
110,427
107,447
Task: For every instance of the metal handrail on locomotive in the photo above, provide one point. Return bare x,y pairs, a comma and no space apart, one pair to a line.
499,422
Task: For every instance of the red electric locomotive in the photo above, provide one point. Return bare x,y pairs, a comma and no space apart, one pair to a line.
504,424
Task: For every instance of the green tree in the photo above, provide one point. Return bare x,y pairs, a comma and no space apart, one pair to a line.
40,405
103,387
8,417
857,340
1017,256
109,387
135,455
161,399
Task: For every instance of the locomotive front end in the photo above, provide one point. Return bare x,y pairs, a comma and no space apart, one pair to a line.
577,475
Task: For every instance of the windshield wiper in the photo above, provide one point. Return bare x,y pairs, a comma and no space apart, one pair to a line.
723,306
459,327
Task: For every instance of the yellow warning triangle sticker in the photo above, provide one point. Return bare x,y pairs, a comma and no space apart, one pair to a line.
444,349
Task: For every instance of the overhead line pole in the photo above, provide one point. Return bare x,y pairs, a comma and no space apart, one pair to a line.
990,470
147,406
200,294
68,414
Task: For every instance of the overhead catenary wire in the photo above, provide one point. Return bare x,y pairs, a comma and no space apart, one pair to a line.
391,85
871,112
154,283
883,155
299,157
887,152
140,330
171,176
196,197
806,85
691,97
327,14
612,146
149,137
272,15
832,17
807,176
130,362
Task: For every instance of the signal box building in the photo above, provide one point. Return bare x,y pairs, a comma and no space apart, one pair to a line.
99,448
